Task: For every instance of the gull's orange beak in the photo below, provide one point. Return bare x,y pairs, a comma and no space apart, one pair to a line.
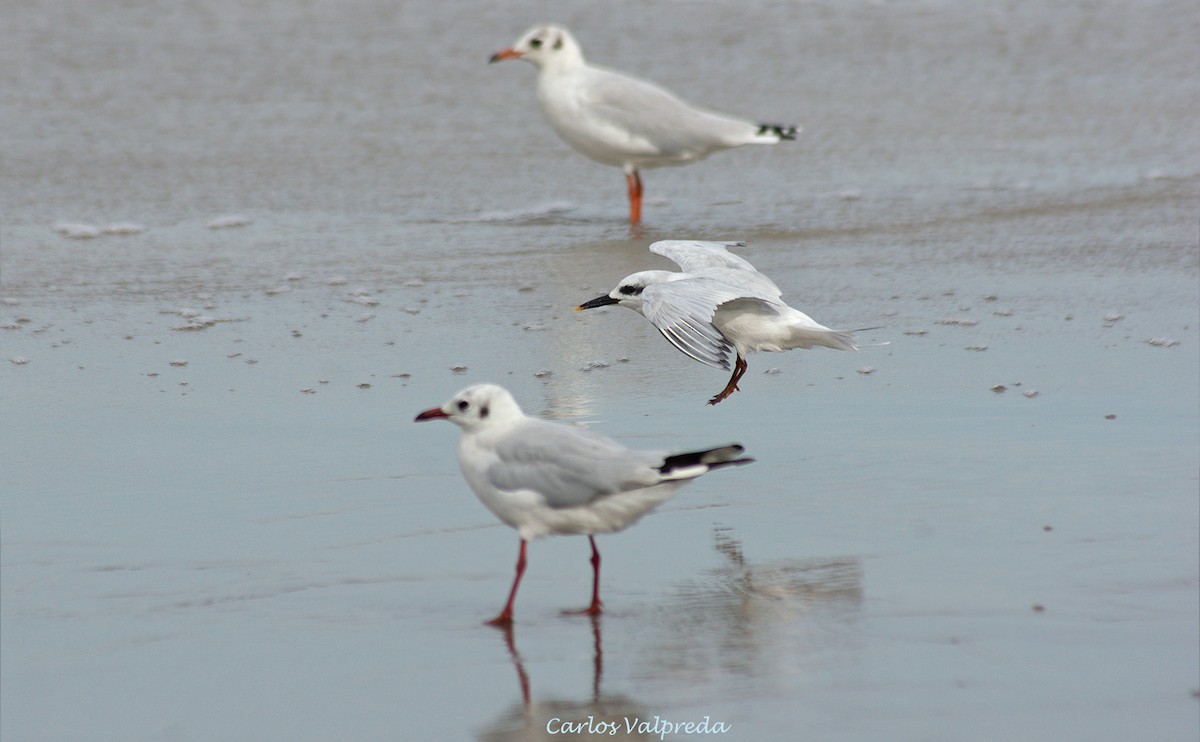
504,54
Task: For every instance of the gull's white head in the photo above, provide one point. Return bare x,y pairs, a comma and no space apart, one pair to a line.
545,46
478,406
628,292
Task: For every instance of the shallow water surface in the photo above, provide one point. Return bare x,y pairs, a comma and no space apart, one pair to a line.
220,522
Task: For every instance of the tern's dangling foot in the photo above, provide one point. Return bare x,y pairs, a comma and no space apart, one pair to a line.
739,368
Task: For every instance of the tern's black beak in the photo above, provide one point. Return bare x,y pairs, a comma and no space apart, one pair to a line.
599,301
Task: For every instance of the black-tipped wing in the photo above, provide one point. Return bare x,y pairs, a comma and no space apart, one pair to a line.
651,120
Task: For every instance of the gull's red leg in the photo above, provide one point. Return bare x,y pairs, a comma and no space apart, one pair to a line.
505,616
739,368
633,183
594,608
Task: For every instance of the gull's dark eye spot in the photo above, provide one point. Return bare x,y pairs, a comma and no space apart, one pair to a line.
535,43
558,42
630,290
483,411
463,404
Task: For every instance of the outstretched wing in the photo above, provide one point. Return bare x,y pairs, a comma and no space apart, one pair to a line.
569,466
695,256
683,310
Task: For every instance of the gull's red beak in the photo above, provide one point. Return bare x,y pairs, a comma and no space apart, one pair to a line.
504,54
434,413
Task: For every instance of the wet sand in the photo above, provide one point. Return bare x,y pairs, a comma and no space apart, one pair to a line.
219,522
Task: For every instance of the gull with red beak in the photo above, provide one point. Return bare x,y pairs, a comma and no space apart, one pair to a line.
545,478
717,304
620,120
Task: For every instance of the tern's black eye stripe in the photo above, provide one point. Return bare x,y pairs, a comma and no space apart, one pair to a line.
631,290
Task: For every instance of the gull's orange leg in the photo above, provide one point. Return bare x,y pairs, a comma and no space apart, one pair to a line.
633,183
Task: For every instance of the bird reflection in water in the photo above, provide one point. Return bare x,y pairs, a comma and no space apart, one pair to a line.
556,718
734,633
752,623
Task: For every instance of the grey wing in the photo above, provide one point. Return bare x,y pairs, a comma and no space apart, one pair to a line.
711,260
568,466
694,256
683,310
665,123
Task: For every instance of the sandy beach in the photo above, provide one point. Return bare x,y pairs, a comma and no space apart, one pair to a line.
241,246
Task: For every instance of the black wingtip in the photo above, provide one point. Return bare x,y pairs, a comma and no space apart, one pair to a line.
714,458
734,462
784,132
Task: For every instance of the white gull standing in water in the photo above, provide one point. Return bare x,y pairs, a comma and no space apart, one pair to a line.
717,304
620,120
545,478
